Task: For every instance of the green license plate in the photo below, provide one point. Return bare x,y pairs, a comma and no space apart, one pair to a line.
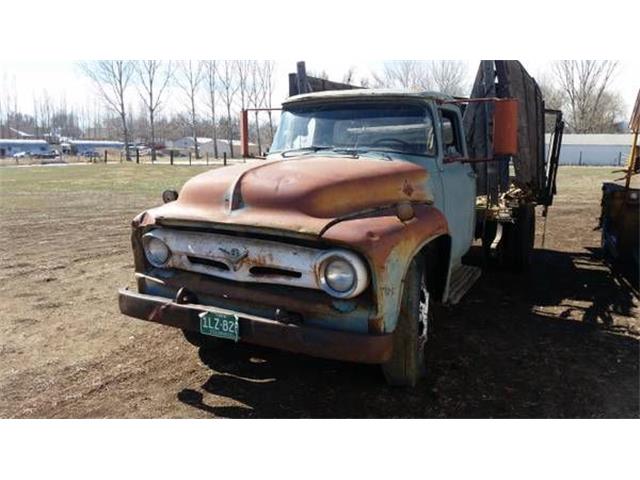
220,325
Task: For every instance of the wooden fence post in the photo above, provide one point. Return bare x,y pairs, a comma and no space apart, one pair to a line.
171,157
137,156
224,158
105,156
189,158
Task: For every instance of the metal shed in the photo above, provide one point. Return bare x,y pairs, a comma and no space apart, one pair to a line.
9,147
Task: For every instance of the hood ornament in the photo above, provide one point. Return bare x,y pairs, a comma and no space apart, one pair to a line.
235,256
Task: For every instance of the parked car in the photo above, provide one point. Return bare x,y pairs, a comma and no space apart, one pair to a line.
47,155
21,155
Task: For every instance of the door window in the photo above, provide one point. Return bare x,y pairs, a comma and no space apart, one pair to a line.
450,134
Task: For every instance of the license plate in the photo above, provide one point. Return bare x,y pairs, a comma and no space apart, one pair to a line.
220,325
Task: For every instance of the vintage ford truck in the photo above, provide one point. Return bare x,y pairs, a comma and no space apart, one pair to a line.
340,241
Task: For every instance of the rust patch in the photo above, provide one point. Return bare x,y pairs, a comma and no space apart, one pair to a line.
407,189
389,245
303,195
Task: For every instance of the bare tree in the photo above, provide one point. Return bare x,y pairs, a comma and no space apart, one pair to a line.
10,103
585,84
553,96
229,89
448,76
610,111
189,79
350,75
154,76
243,72
256,96
211,78
406,74
112,78
45,107
322,74
267,82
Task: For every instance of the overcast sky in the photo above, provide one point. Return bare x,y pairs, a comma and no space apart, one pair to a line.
63,78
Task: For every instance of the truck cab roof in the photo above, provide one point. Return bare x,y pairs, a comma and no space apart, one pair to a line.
362,94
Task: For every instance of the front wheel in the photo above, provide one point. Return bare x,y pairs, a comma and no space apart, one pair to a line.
407,365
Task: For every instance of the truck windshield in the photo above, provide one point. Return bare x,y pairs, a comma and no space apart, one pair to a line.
358,128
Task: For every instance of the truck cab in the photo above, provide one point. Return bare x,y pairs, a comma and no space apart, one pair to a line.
389,126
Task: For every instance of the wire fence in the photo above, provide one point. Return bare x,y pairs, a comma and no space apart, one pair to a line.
570,155
116,157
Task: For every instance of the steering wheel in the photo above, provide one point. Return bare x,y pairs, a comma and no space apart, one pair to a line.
388,140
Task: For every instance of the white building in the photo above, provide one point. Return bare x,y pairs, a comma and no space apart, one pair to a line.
80,147
206,146
595,149
9,147
187,143
223,147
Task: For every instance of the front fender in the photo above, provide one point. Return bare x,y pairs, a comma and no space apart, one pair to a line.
389,245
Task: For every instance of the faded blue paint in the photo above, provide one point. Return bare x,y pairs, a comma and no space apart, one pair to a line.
453,188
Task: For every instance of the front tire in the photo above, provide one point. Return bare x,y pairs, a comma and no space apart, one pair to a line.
407,365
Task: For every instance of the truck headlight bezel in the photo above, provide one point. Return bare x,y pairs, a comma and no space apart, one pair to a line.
156,250
345,261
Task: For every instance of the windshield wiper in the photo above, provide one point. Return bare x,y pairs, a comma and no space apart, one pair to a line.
356,152
311,148
353,152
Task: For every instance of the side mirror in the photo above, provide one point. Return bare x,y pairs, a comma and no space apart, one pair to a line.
505,127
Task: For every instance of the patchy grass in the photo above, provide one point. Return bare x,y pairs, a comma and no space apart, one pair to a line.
125,178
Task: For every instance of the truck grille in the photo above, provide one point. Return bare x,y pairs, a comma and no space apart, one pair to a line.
241,259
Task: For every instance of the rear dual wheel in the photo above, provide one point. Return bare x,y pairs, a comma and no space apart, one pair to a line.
516,247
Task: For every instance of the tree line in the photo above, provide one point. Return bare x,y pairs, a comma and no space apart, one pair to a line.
153,100
582,89
227,85
132,99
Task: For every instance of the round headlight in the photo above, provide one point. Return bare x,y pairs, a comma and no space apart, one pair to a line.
342,274
157,251
339,275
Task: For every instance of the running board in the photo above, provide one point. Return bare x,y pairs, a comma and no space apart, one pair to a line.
462,279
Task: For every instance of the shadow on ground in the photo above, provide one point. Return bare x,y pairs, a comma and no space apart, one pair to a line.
559,342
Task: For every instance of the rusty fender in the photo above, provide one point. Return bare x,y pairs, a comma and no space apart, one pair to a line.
389,245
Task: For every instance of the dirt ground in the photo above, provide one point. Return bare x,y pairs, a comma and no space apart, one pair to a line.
562,341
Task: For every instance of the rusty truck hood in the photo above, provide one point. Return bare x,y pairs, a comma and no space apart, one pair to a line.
302,195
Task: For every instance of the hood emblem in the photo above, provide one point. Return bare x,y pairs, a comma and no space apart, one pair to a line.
234,256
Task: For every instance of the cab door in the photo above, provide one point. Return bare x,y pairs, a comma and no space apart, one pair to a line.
458,182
